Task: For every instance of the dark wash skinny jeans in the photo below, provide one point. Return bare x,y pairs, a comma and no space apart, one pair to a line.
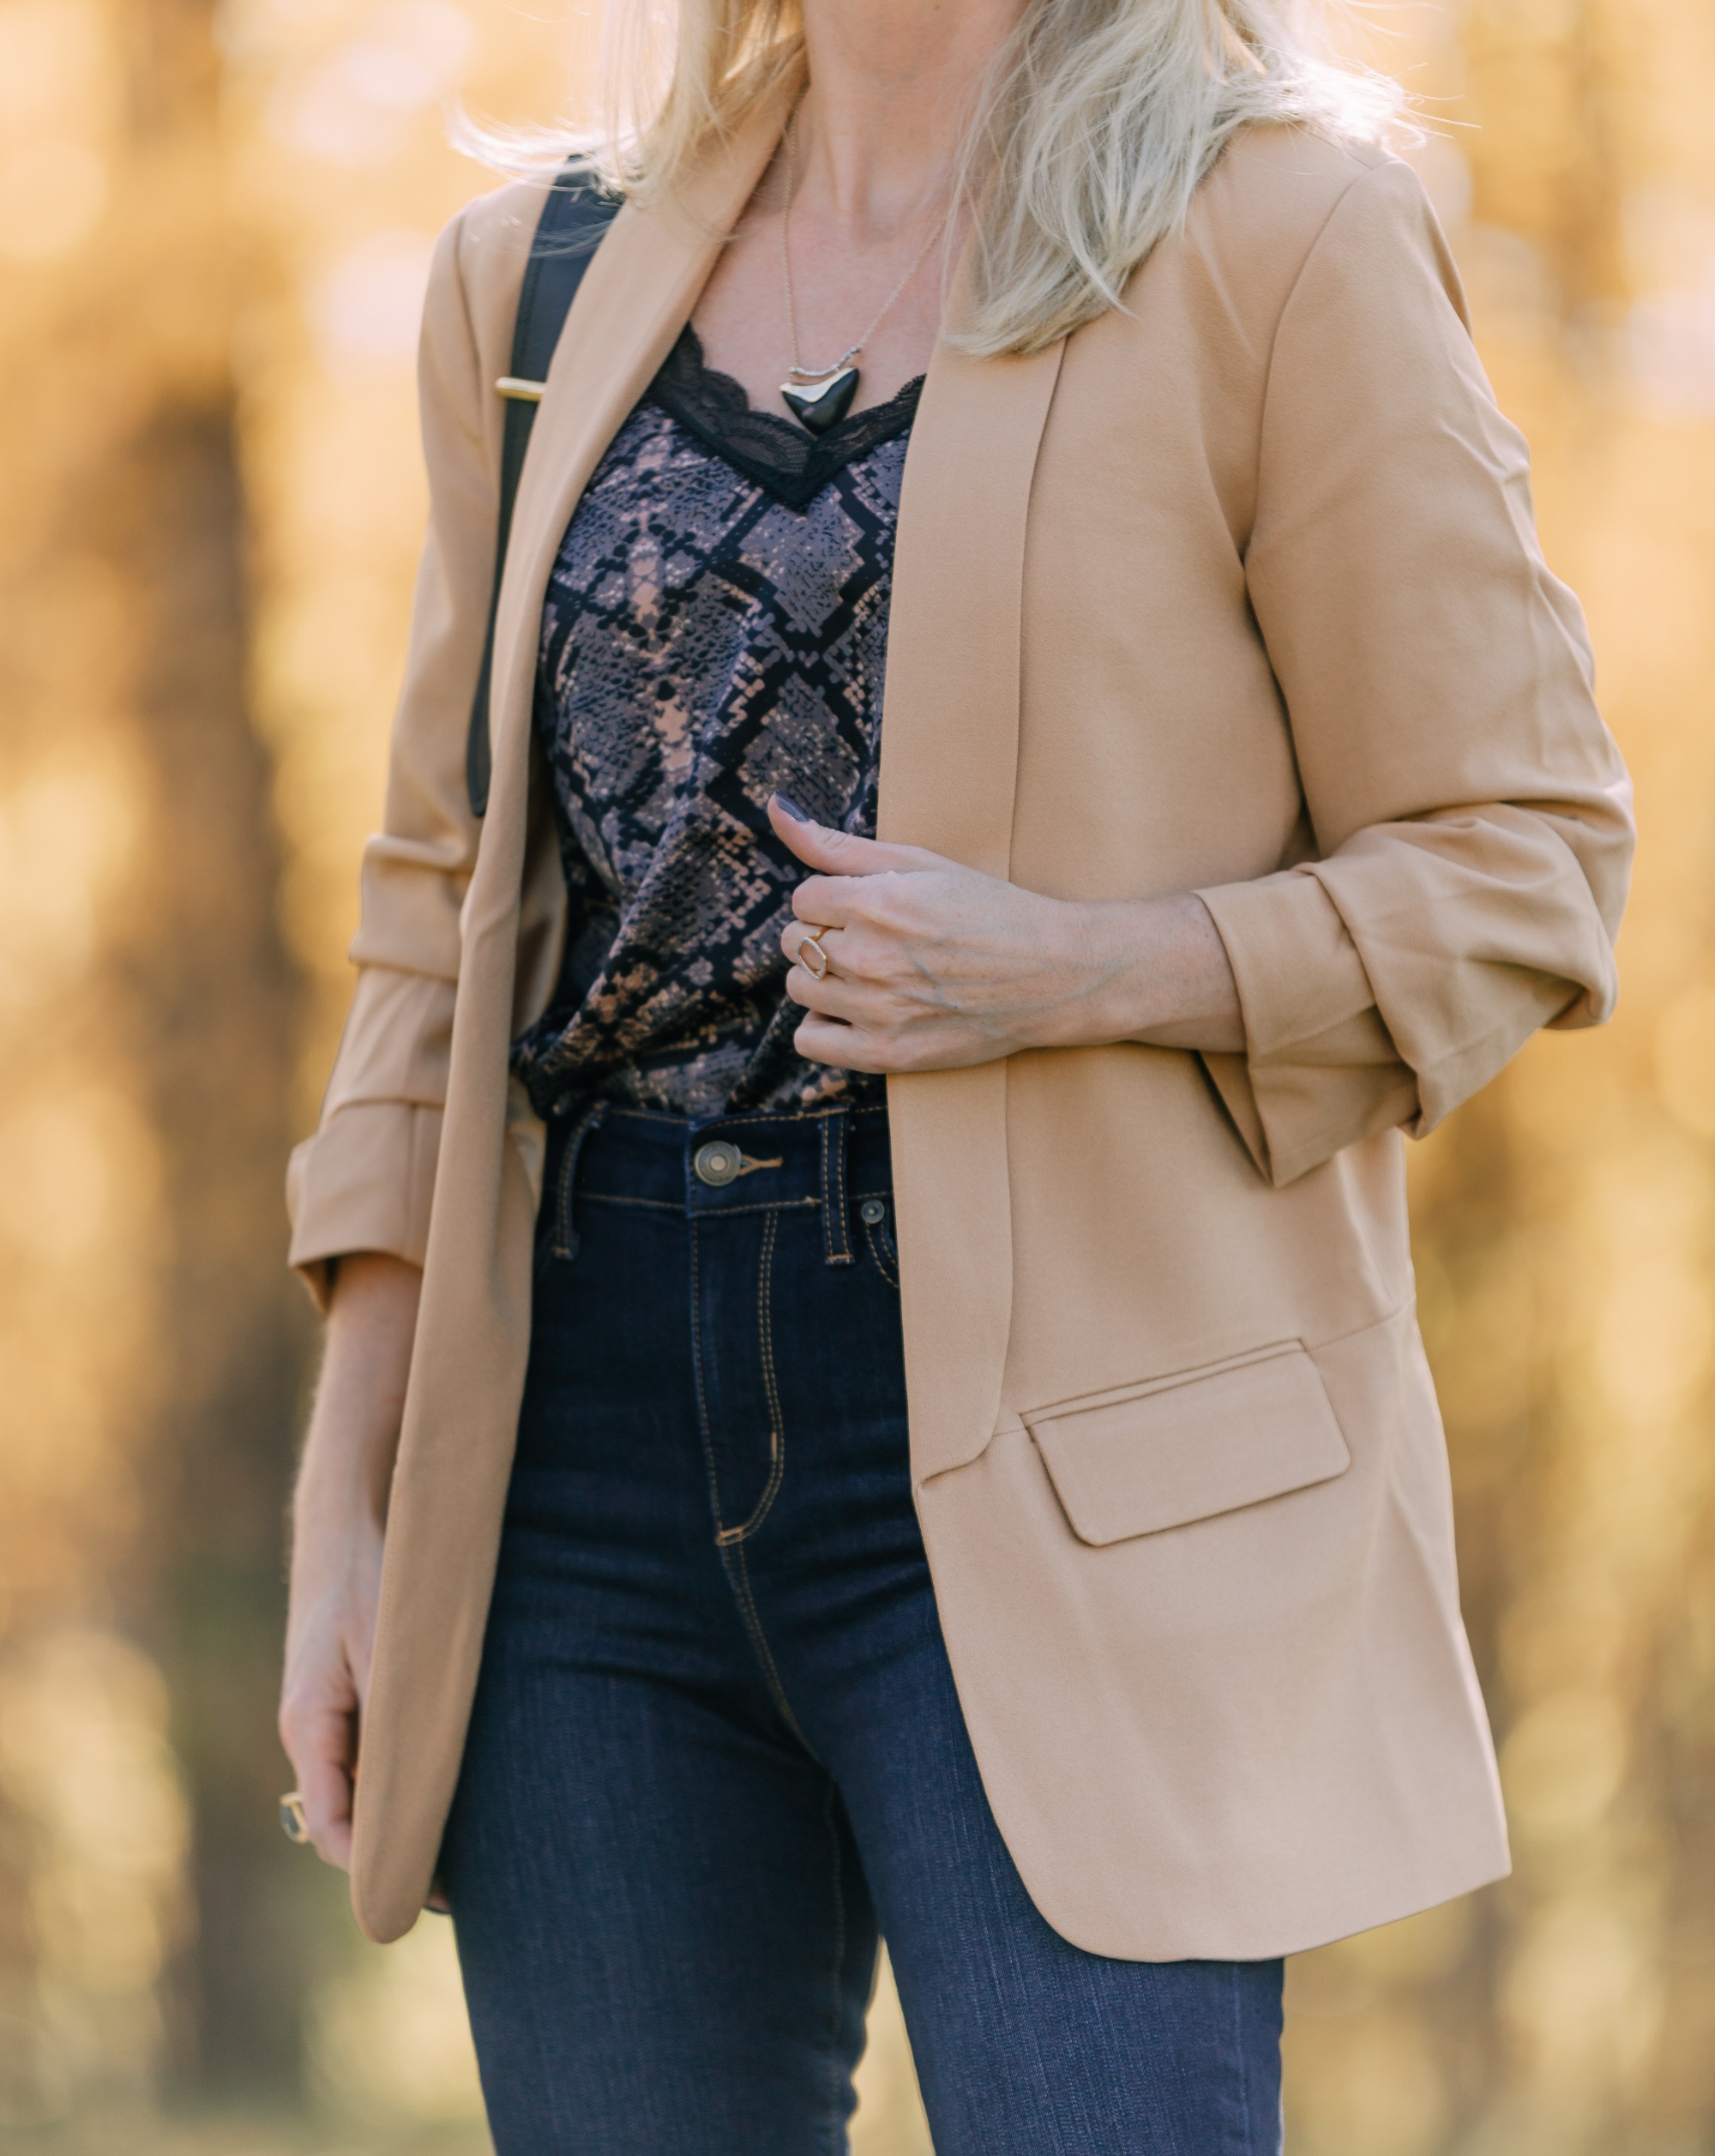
716,1743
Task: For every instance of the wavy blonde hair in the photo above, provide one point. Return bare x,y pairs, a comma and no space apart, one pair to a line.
1096,123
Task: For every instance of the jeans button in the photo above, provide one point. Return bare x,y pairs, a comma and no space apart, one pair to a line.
717,1163
872,1213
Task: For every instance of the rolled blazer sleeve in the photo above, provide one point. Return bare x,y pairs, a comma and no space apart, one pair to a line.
1471,815
365,1181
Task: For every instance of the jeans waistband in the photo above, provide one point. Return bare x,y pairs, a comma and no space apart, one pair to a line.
826,1160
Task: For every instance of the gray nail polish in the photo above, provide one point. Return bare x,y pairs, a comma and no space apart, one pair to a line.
791,808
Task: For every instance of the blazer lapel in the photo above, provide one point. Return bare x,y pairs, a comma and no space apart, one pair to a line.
950,770
636,296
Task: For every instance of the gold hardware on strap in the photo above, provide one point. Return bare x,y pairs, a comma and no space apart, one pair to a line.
522,392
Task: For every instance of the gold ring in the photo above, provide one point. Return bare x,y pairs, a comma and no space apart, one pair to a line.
293,1823
812,943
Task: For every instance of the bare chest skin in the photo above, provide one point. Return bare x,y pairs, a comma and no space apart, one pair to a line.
839,282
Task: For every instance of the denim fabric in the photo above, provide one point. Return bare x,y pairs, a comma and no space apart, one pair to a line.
716,1743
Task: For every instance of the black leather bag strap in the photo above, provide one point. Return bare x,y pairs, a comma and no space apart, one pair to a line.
574,217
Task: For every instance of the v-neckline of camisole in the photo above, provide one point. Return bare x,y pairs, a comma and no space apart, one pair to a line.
773,452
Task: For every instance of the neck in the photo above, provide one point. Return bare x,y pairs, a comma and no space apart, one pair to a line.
893,84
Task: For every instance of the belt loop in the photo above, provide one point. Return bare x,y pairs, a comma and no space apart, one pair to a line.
565,1243
835,1214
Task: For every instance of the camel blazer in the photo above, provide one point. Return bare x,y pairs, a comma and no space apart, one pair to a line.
1236,590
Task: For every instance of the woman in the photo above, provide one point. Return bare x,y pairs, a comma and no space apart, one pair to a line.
1029,1071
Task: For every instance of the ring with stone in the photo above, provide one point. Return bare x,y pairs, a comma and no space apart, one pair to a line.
293,1823
811,940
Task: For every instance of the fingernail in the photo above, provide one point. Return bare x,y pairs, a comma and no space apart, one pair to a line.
791,808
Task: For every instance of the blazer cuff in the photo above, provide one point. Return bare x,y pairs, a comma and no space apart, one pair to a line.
1320,1069
364,1182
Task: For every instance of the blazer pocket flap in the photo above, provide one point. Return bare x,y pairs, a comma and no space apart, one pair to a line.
1164,1455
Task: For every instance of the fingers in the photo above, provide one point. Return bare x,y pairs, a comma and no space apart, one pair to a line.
827,901
317,1738
842,993
825,1040
852,1003
858,985
843,954
843,853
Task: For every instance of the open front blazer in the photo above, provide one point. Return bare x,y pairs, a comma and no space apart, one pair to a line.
1236,590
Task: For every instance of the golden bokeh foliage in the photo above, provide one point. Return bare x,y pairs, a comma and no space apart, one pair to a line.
214,223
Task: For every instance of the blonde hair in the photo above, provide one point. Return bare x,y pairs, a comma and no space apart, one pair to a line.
1097,122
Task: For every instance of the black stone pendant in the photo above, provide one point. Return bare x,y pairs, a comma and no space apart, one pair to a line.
823,404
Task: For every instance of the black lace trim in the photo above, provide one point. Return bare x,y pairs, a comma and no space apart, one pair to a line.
775,453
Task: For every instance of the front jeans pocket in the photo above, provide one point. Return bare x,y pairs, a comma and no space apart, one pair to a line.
873,1217
559,1194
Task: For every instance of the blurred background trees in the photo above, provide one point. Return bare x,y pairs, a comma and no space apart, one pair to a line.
214,226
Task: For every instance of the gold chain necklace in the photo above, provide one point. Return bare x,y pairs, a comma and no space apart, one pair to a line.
825,396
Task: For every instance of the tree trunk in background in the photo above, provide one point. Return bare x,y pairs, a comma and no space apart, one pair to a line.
212,995
157,1345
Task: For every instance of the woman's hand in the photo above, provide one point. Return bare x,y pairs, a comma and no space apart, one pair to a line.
338,1515
932,966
